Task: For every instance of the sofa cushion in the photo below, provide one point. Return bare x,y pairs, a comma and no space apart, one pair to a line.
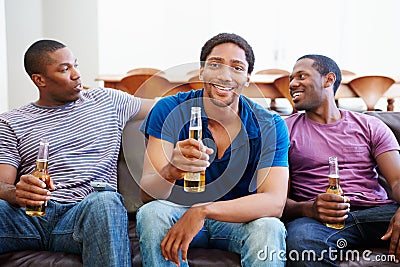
31,258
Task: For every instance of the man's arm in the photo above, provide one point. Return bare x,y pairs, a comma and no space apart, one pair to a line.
389,166
326,208
164,164
28,191
152,184
269,200
145,107
294,209
8,175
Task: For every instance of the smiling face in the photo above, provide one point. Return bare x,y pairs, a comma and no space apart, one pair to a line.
306,86
225,74
60,83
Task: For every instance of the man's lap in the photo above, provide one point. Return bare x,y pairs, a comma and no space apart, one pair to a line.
362,228
20,231
214,234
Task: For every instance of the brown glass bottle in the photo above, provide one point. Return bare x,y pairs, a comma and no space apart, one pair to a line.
195,181
334,186
41,172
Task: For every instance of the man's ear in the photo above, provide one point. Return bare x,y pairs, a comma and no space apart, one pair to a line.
39,80
201,74
248,81
330,79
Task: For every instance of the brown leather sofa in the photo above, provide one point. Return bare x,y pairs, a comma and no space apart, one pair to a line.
129,171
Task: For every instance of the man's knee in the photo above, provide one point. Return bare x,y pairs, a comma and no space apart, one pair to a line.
104,202
161,210
303,233
150,211
266,231
154,219
268,225
155,214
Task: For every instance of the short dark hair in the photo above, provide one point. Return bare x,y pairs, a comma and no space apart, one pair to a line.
36,57
223,38
324,65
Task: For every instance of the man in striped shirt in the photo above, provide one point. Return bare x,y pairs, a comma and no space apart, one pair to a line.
84,129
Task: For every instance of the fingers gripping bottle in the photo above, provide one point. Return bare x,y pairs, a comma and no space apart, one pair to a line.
334,186
41,173
195,181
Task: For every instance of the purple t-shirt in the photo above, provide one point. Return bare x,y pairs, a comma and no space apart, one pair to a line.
356,139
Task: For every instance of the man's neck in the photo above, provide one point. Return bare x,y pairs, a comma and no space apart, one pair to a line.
222,115
325,114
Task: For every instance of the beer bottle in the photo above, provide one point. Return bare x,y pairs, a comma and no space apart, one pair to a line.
334,186
195,181
41,173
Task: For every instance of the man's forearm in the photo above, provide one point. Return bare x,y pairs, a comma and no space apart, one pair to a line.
155,186
245,209
158,184
396,192
294,209
7,193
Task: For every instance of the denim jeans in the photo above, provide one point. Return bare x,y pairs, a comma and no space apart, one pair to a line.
363,228
96,228
253,240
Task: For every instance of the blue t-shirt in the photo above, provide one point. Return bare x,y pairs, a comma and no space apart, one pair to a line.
262,142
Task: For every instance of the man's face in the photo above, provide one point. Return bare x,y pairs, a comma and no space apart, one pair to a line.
306,85
225,73
60,83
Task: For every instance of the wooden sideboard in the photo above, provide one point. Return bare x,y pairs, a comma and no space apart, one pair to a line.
262,85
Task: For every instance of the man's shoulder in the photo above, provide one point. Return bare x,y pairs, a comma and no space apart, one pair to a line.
17,114
181,99
100,96
290,120
360,118
96,92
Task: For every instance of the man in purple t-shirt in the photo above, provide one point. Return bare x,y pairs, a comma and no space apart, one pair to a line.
361,143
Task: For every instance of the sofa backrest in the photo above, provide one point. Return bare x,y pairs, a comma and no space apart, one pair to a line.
391,118
130,165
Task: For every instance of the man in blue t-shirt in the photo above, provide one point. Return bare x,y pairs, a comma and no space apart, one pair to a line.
244,154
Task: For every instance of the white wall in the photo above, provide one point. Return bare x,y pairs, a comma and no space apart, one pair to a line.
372,40
23,25
3,60
360,36
111,37
164,34
72,22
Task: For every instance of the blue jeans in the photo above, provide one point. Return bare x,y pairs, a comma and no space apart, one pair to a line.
363,228
254,240
96,228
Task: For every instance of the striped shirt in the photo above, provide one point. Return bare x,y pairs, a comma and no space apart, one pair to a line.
84,136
